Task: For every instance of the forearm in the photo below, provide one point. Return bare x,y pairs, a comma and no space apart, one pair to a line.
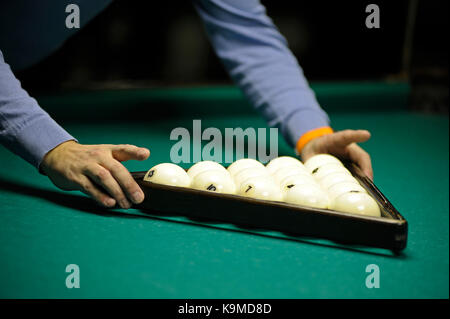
25,128
257,58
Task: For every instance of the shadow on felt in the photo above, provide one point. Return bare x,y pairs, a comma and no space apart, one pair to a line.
87,205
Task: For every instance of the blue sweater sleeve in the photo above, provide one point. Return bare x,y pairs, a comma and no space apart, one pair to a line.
25,128
259,61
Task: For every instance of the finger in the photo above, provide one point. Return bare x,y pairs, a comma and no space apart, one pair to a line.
127,152
87,187
346,137
125,180
362,158
103,177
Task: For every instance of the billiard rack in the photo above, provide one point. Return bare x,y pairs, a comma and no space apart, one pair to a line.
390,231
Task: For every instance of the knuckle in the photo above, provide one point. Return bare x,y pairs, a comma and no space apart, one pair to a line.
348,133
130,186
101,174
94,152
116,166
122,146
87,187
129,148
364,153
97,152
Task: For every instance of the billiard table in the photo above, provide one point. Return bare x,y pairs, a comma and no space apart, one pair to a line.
143,254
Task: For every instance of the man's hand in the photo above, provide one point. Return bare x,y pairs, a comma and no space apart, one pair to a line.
343,145
96,171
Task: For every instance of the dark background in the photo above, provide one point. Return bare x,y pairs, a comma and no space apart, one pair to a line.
142,44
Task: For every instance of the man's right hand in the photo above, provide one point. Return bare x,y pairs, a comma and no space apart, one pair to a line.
96,171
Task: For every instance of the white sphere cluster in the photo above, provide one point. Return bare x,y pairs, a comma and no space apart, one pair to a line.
321,182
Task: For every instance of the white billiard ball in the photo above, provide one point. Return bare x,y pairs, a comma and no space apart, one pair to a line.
241,164
327,169
284,172
356,203
306,195
214,181
261,187
319,160
344,187
282,161
247,173
335,178
168,174
200,167
297,179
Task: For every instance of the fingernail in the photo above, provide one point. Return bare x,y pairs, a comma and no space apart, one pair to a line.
110,202
137,197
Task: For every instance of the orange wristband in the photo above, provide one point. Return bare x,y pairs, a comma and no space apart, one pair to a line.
310,135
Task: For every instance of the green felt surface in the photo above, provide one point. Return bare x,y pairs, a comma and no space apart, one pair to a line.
205,101
132,254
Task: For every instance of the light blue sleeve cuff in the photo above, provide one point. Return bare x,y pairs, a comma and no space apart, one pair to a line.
303,121
40,137
33,141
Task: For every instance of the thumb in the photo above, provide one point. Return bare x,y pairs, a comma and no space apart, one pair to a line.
129,152
346,137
